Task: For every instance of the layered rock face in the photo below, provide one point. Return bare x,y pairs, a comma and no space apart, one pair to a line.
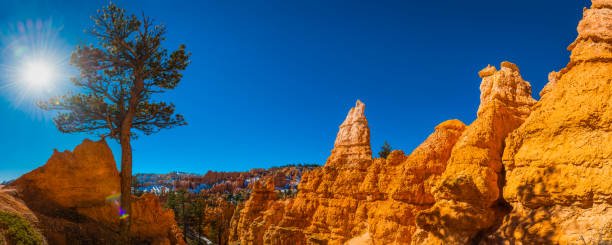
467,197
399,187
559,162
352,144
69,197
325,210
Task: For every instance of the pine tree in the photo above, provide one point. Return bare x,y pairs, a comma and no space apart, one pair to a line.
118,76
385,150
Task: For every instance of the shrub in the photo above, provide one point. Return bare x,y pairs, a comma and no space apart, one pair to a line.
18,231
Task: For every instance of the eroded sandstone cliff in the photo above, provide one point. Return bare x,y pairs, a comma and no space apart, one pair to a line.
559,162
468,195
353,198
524,172
70,195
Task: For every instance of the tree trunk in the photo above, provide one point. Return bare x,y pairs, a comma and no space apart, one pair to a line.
126,158
126,184
184,219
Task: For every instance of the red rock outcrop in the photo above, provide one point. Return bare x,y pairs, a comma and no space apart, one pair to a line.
467,196
69,197
559,162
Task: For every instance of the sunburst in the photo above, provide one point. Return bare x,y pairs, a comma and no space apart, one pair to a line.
33,63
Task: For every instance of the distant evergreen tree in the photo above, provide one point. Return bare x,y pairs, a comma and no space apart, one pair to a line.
171,202
181,198
385,150
197,215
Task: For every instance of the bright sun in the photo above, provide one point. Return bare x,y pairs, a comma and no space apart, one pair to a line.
38,73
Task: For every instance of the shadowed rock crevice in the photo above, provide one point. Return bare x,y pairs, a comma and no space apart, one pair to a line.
531,226
501,207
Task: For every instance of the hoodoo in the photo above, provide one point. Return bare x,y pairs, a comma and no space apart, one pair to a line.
354,198
468,195
525,171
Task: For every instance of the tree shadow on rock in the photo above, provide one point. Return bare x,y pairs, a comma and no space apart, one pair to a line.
530,220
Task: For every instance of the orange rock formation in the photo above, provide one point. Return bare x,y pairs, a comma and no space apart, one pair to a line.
468,195
454,188
559,162
353,198
524,172
68,196
251,225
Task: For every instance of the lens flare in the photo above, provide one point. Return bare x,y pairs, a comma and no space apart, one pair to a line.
115,200
113,197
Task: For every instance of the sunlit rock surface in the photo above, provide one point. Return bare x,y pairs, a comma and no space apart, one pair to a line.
467,198
524,172
251,224
354,199
559,162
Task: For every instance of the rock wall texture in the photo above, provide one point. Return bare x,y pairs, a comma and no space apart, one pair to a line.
69,194
251,224
449,185
559,162
467,199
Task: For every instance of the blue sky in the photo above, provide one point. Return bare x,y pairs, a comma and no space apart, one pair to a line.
271,81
